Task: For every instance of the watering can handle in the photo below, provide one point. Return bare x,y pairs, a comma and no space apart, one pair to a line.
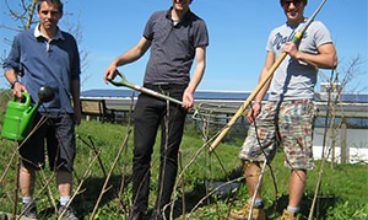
25,95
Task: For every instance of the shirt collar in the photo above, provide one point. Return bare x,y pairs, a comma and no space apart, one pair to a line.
37,33
185,17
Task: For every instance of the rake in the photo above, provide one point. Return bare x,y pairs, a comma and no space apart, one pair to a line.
242,109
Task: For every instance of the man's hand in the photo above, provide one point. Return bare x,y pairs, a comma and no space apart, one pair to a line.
110,72
18,88
291,49
188,100
254,112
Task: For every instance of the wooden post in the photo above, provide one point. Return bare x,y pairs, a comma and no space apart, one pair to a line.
343,138
333,146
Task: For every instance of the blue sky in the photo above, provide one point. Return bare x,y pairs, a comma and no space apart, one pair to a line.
238,32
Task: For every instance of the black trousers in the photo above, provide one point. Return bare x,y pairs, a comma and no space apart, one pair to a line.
149,114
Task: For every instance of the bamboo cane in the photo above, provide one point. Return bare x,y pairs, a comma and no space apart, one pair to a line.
298,36
246,103
258,186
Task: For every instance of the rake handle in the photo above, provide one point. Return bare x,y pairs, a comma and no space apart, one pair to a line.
246,103
298,36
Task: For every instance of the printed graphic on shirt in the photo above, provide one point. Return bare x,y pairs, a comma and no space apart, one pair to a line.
281,40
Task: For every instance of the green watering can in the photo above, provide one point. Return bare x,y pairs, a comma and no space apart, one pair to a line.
19,114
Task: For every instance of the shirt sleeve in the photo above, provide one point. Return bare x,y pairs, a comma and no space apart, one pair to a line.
148,30
269,45
322,34
12,62
201,38
76,69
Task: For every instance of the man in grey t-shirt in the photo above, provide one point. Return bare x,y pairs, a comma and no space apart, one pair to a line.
176,37
288,115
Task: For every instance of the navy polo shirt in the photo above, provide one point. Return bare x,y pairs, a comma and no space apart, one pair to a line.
40,62
173,47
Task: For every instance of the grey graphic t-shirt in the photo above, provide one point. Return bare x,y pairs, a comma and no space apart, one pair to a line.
295,80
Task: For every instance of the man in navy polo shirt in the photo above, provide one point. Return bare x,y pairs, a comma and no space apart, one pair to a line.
175,37
48,56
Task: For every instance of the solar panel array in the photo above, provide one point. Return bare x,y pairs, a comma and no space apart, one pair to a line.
217,95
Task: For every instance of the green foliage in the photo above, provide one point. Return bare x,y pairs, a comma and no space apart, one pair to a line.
346,210
342,196
5,96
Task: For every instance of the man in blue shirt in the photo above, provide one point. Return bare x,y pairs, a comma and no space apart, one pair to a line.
175,37
48,56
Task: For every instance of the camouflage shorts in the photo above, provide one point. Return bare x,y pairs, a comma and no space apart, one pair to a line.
292,128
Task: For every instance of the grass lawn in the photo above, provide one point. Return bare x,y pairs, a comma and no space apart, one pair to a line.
343,192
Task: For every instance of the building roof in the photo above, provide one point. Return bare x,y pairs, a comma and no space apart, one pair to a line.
216,95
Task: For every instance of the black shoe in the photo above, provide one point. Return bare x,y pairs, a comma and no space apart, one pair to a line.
29,210
67,213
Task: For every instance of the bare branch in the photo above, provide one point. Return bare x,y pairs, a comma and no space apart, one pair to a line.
30,14
9,28
352,79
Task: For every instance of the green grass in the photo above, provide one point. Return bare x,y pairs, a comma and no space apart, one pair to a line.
4,97
343,191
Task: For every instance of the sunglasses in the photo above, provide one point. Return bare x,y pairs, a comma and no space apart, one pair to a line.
295,2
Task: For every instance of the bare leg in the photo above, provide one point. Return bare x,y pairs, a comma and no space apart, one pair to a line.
296,187
26,181
64,181
252,171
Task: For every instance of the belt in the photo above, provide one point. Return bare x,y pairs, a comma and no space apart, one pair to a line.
164,86
301,101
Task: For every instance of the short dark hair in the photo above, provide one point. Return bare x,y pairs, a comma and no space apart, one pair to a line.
55,2
305,1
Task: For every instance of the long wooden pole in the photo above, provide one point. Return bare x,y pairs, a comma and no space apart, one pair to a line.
246,103
298,36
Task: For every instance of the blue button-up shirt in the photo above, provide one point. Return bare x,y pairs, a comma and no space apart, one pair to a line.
39,61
